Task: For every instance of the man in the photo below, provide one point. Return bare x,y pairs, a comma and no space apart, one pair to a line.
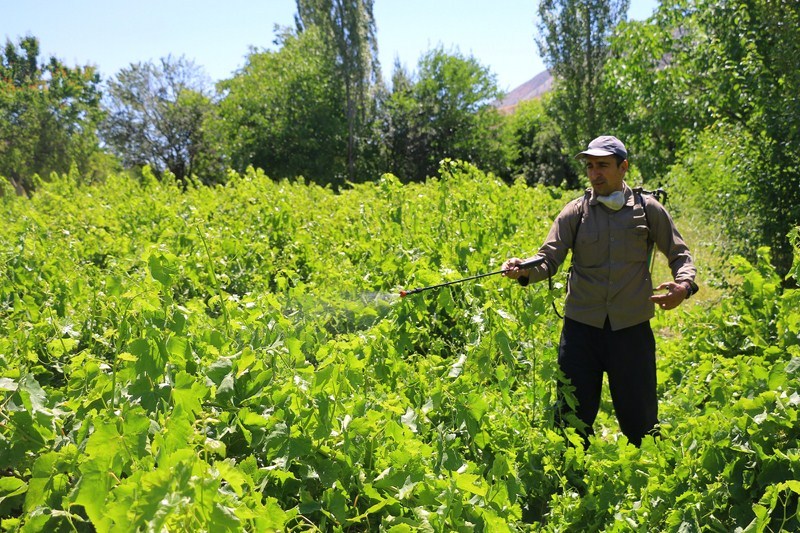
610,297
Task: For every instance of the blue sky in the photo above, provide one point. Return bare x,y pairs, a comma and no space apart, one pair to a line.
112,34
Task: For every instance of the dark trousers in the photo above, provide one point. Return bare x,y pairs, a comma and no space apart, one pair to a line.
628,356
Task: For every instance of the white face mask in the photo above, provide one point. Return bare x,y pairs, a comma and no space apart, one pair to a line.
614,201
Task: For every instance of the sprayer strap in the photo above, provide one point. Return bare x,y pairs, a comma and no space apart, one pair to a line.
550,287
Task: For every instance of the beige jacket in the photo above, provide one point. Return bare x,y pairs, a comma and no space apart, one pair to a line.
609,275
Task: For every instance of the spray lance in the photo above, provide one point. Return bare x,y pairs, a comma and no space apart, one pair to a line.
522,266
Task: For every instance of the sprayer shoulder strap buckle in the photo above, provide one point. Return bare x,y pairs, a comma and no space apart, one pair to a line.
638,195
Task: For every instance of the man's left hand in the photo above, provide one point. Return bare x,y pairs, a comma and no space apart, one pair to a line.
676,294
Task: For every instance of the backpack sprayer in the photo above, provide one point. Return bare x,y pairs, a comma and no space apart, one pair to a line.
521,266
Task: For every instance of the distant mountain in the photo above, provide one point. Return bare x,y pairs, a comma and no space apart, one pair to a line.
533,88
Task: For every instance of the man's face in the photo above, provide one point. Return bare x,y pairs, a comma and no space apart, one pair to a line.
604,173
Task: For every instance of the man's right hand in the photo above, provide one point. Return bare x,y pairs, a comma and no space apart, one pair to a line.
511,268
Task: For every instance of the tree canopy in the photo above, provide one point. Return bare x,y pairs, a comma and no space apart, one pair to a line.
48,115
444,111
574,42
156,114
282,112
348,30
713,85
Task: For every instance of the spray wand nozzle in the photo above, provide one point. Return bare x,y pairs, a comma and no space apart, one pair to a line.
522,266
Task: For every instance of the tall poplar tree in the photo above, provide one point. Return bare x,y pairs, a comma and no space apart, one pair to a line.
573,40
348,27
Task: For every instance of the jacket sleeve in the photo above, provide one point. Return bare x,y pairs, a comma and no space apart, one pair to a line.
559,241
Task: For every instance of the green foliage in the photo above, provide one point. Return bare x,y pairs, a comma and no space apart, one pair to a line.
758,319
751,49
540,156
48,116
155,117
649,76
727,66
236,358
348,29
573,40
443,111
712,176
794,238
282,112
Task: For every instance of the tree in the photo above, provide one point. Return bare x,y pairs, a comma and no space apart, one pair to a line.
751,59
156,114
281,112
48,115
700,75
402,145
445,112
348,28
653,89
538,151
573,40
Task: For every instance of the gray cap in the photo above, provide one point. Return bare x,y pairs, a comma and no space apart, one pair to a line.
605,145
